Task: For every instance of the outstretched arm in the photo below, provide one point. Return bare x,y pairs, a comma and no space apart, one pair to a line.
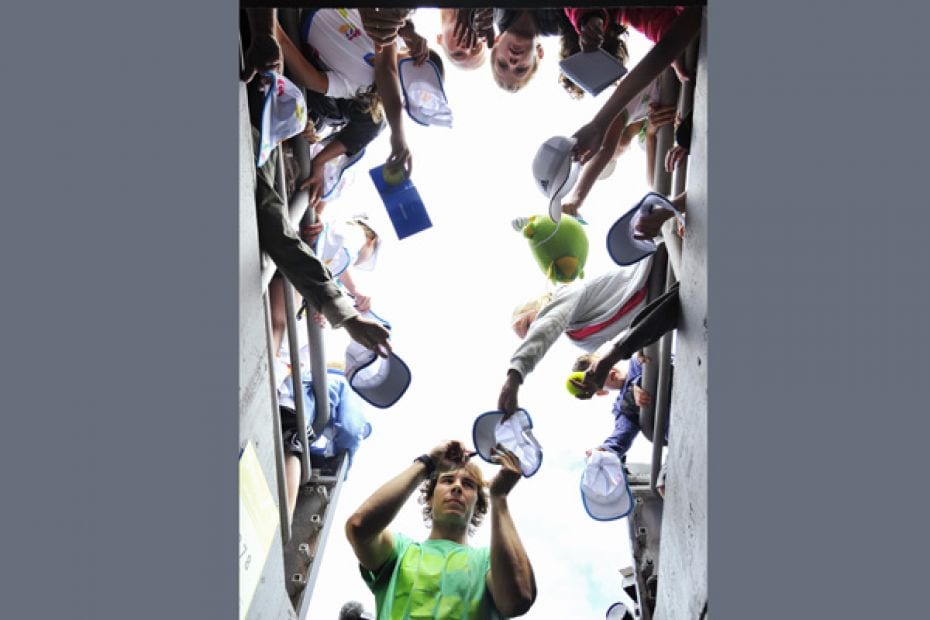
264,53
610,149
510,581
387,82
304,73
673,43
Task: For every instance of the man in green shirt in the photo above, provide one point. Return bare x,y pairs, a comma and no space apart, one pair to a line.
442,578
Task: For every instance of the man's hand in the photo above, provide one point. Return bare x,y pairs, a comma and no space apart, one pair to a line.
310,232
572,206
591,36
362,303
659,116
507,401
314,185
382,25
449,454
473,25
264,54
509,473
370,334
416,44
641,397
674,157
588,141
649,225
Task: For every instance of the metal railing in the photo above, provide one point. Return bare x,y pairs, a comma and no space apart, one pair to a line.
657,375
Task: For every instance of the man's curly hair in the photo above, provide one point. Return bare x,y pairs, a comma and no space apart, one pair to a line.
481,507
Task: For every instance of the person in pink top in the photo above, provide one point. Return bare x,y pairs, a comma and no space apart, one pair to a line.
653,22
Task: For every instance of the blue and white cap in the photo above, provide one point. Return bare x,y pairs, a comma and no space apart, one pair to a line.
604,490
379,381
515,433
623,248
424,97
284,114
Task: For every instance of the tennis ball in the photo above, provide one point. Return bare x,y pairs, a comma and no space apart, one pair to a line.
575,376
393,176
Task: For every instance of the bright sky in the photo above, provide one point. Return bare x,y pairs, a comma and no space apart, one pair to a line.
449,292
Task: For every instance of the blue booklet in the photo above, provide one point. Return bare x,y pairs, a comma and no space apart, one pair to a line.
402,201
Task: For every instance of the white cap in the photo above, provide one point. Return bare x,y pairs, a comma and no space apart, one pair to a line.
604,490
617,611
424,97
379,381
515,433
555,171
623,248
283,116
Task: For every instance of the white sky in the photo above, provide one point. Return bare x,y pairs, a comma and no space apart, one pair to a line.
449,292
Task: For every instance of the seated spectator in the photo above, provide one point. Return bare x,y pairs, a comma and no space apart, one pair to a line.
277,236
343,433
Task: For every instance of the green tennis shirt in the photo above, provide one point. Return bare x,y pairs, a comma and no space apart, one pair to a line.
435,579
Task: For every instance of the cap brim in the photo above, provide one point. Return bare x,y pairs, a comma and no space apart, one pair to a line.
555,201
617,611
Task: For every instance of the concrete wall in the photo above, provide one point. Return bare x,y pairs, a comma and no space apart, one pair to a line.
683,556
255,403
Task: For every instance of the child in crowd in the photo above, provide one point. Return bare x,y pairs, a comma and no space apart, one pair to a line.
590,312
464,52
676,36
341,67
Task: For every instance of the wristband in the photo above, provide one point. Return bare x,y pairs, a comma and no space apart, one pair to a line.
427,462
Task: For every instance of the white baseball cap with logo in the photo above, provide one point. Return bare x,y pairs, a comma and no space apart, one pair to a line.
604,490
555,171
284,114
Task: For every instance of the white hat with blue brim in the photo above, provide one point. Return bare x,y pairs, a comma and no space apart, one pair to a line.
379,381
284,114
515,433
424,97
622,246
604,490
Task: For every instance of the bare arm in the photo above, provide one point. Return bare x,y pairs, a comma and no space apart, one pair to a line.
366,529
305,74
592,170
510,581
264,52
676,39
387,81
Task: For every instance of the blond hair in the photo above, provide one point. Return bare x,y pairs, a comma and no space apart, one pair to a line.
534,305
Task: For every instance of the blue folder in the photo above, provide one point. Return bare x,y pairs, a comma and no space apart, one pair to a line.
403,204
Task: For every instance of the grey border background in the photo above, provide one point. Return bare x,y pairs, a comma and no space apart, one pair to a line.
119,171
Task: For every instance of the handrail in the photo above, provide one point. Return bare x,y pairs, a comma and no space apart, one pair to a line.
662,394
297,379
280,468
662,184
